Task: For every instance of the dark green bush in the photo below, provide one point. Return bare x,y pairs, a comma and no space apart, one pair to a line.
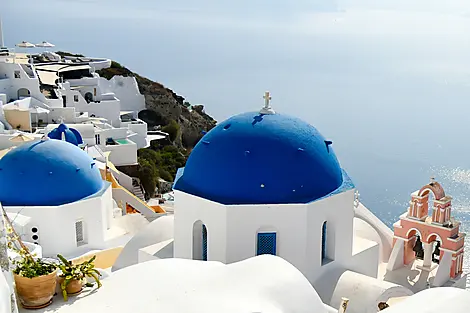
148,175
172,129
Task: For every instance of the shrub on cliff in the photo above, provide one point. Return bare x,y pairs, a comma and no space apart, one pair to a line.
148,175
172,129
115,64
162,163
150,155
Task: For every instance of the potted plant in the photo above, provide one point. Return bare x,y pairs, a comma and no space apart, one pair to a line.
72,276
35,279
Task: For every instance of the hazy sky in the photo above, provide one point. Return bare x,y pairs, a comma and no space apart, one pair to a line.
388,81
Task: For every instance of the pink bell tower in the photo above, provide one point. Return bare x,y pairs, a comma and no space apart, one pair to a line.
418,229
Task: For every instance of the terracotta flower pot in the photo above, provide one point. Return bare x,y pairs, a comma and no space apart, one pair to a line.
73,287
36,292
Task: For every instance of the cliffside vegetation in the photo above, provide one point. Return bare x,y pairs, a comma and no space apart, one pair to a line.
169,112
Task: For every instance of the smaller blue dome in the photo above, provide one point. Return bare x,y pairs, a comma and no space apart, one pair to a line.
71,134
47,173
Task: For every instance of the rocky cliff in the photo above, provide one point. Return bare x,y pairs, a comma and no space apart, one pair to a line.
164,105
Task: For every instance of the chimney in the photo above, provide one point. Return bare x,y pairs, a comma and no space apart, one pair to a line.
344,305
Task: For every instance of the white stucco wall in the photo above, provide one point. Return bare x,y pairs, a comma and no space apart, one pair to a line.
115,133
140,141
9,85
232,234
384,232
244,222
159,230
338,212
108,109
364,230
56,225
139,127
365,258
56,114
121,154
5,298
190,209
126,90
124,180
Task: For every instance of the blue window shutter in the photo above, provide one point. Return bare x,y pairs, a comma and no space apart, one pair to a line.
323,241
204,243
266,243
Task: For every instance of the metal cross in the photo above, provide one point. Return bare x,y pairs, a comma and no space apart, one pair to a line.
267,108
267,98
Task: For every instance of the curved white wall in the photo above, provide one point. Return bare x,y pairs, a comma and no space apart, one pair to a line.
364,292
434,300
364,230
157,231
385,233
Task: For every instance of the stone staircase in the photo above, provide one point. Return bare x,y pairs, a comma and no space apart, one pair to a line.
137,190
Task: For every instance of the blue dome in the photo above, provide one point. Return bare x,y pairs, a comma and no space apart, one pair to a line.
47,173
261,159
71,134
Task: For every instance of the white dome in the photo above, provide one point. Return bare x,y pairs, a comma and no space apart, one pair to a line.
265,284
434,300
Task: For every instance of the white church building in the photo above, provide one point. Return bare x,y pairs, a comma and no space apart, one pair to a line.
268,183
260,184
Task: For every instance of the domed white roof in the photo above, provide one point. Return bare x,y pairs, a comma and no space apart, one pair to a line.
265,284
434,300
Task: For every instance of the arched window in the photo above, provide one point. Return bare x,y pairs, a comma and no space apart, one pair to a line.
199,241
88,97
323,242
204,242
23,93
266,243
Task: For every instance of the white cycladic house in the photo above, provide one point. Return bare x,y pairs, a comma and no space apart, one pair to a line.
58,186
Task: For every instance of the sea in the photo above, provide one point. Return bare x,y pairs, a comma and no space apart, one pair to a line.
388,82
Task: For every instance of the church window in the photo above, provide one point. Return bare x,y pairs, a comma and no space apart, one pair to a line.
204,243
17,74
323,242
200,238
97,139
75,98
266,243
79,233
